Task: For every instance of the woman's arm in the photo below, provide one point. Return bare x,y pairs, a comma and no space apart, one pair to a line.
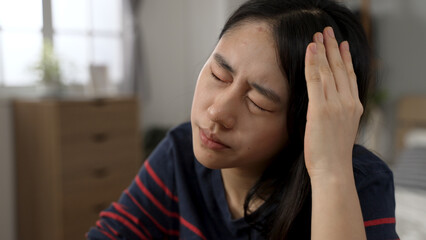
334,112
336,211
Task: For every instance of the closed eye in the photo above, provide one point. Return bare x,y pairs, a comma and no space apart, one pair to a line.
216,77
257,106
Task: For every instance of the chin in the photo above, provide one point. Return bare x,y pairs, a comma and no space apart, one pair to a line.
205,159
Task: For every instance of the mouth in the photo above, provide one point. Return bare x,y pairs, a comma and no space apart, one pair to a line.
210,141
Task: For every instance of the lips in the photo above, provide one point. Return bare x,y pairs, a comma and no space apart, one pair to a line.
210,140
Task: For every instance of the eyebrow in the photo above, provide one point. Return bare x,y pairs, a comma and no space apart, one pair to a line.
268,93
223,63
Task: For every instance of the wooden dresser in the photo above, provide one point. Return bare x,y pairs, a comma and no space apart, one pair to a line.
73,158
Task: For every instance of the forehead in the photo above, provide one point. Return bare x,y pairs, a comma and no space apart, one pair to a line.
250,49
252,36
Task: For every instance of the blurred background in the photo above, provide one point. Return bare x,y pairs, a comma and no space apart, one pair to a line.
86,82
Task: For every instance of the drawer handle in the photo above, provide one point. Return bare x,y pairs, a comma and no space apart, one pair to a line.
100,137
100,172
99,102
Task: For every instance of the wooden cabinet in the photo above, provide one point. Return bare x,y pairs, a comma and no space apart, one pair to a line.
73,158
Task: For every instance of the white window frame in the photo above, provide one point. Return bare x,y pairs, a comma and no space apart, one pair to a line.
48,33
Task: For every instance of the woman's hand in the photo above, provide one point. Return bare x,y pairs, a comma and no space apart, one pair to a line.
334,108
333,117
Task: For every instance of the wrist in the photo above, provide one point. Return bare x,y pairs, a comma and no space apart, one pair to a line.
332,177
331,166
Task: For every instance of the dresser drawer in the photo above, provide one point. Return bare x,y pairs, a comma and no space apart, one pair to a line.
99,172
97,115
74,157
98,136
83,201
84,152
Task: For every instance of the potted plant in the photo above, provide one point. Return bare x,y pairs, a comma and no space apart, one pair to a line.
49,71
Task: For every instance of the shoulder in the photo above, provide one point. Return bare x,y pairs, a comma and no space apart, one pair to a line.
181,133
177,144
367,165
374,182
375,187
180,139
162,169
177,138
366,162
373,178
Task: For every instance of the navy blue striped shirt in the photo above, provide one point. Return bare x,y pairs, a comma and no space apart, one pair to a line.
175,197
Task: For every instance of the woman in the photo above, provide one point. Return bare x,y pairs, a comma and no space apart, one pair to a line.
269,152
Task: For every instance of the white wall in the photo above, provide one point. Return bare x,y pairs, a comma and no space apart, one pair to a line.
178,36
400,45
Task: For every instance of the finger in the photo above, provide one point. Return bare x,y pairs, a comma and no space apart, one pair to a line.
336,63
347,59
325,71
312,75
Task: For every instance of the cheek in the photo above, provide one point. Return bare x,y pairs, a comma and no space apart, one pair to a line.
201,97
270,139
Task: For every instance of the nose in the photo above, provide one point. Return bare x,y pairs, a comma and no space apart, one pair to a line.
223,111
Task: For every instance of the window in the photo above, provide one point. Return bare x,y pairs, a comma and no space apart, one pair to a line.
83,33
21,22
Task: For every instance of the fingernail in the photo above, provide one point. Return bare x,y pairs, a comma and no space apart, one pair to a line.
319,37
313,48
345,45
330,32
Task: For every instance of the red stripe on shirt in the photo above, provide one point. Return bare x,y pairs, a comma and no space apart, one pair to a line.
379,221
106,234
111,229
120,209
159,182
124,222
192,228
163,209
151,197
101,227
159,226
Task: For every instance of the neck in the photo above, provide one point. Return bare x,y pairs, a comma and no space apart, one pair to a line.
237,183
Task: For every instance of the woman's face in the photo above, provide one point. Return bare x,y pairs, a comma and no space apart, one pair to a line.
239,107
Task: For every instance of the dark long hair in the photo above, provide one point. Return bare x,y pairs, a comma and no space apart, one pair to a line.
285,184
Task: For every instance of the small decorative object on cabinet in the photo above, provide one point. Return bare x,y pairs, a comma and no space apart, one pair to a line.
73,158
